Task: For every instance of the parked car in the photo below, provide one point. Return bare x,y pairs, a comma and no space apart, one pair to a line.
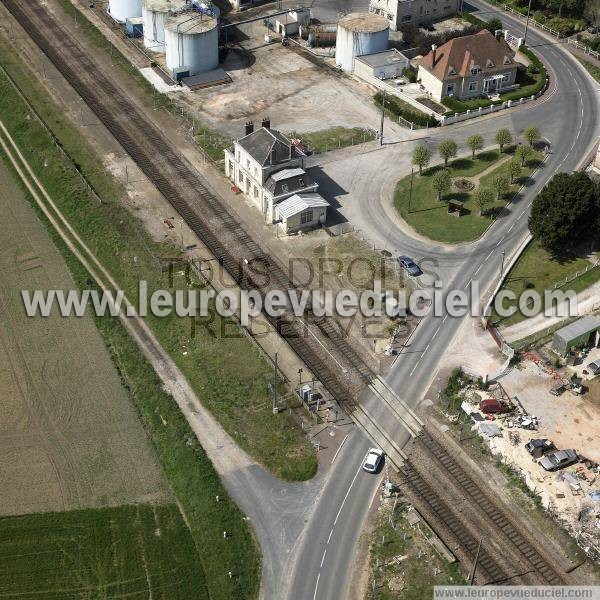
372,460
559,390
559,459
492,406
410,266
594,367
538,447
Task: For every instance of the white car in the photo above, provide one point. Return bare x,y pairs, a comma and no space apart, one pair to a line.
372,460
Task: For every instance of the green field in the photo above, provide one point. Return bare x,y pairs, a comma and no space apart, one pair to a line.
537,270
135,552
430,217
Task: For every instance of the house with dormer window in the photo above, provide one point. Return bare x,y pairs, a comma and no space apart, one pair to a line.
471,66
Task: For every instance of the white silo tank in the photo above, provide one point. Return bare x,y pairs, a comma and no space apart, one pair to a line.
359,34
155,14
121,10
192,41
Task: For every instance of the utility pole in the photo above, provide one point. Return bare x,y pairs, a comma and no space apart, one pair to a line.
382,119
472,576
527,24
412,174
275,388
502,266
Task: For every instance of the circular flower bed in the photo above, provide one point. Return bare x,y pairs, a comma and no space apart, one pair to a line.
464,185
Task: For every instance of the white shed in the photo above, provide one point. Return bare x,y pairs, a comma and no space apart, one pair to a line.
301,211
381,65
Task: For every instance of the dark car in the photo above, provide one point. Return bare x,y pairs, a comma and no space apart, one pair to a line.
410,266
492,406
559,459
538,447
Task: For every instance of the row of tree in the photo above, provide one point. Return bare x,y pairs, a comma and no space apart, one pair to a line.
566,213
448,148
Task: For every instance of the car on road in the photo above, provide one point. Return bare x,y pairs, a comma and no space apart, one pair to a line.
410,266
594,367
559,459
372,460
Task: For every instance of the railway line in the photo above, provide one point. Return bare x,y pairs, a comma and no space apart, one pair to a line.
247,263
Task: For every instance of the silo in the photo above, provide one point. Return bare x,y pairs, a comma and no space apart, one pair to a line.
121,10
192,41
155,13
359,34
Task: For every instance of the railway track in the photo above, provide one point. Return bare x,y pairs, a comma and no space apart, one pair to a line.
246,263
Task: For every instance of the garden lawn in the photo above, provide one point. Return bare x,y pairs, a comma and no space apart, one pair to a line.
429,217
334,138
537,270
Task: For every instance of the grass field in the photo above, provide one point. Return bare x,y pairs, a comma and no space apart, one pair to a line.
536,269
334,138
238,397
430,217
135,552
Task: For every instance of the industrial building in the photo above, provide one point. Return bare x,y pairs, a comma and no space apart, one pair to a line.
154,15
359,34
191,43
416,12
582,333
382,65
289,23
268,168
121,10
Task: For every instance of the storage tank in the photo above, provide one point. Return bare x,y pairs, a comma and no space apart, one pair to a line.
359,34
121,10
192,41
155,14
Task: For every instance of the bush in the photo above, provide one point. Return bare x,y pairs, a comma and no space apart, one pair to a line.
401,109
410,74
564,26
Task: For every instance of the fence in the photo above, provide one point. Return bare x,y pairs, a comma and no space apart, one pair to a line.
533,22
585,49
577,275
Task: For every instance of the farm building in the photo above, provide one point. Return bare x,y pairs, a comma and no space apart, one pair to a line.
583,332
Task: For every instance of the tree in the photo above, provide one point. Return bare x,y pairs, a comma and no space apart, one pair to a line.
493,25
475,142
448,149
565,212
500,185
592,12
421,157
483,197
523,153
503,138
514,169
532,134
442,180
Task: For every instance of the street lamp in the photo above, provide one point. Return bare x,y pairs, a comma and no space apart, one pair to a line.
527,24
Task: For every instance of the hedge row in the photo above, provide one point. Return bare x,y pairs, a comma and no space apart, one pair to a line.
399,108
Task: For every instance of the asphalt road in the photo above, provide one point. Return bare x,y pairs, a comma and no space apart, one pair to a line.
569,120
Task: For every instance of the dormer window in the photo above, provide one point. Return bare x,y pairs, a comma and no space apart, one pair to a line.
475,71
490,64
452,71
507,60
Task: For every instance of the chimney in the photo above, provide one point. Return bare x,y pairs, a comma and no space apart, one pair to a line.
499,34
266,122
249,127
433,49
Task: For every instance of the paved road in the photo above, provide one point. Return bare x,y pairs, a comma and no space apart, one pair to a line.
569,119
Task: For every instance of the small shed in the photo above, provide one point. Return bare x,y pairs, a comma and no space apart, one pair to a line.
289,23
583,332
381,65
301,211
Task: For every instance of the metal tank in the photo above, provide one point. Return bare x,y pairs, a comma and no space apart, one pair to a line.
192,41
121,10
155,14
359,34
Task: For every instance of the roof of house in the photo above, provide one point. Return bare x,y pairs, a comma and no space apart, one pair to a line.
299,202
267,146
288,181
382,59
458,56
583,326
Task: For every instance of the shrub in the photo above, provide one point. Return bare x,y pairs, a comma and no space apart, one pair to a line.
410,74
402,109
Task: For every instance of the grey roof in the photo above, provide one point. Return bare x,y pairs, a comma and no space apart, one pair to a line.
288,181
299,202
583,326
267,146
381,59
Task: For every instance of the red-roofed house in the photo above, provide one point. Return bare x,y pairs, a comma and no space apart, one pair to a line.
469,66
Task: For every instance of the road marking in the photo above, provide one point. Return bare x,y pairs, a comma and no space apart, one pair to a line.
346,496
478,269
323,559
316,586
330,534
414,368
488,256
426,348
436,332
510,228
444,319
338,450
